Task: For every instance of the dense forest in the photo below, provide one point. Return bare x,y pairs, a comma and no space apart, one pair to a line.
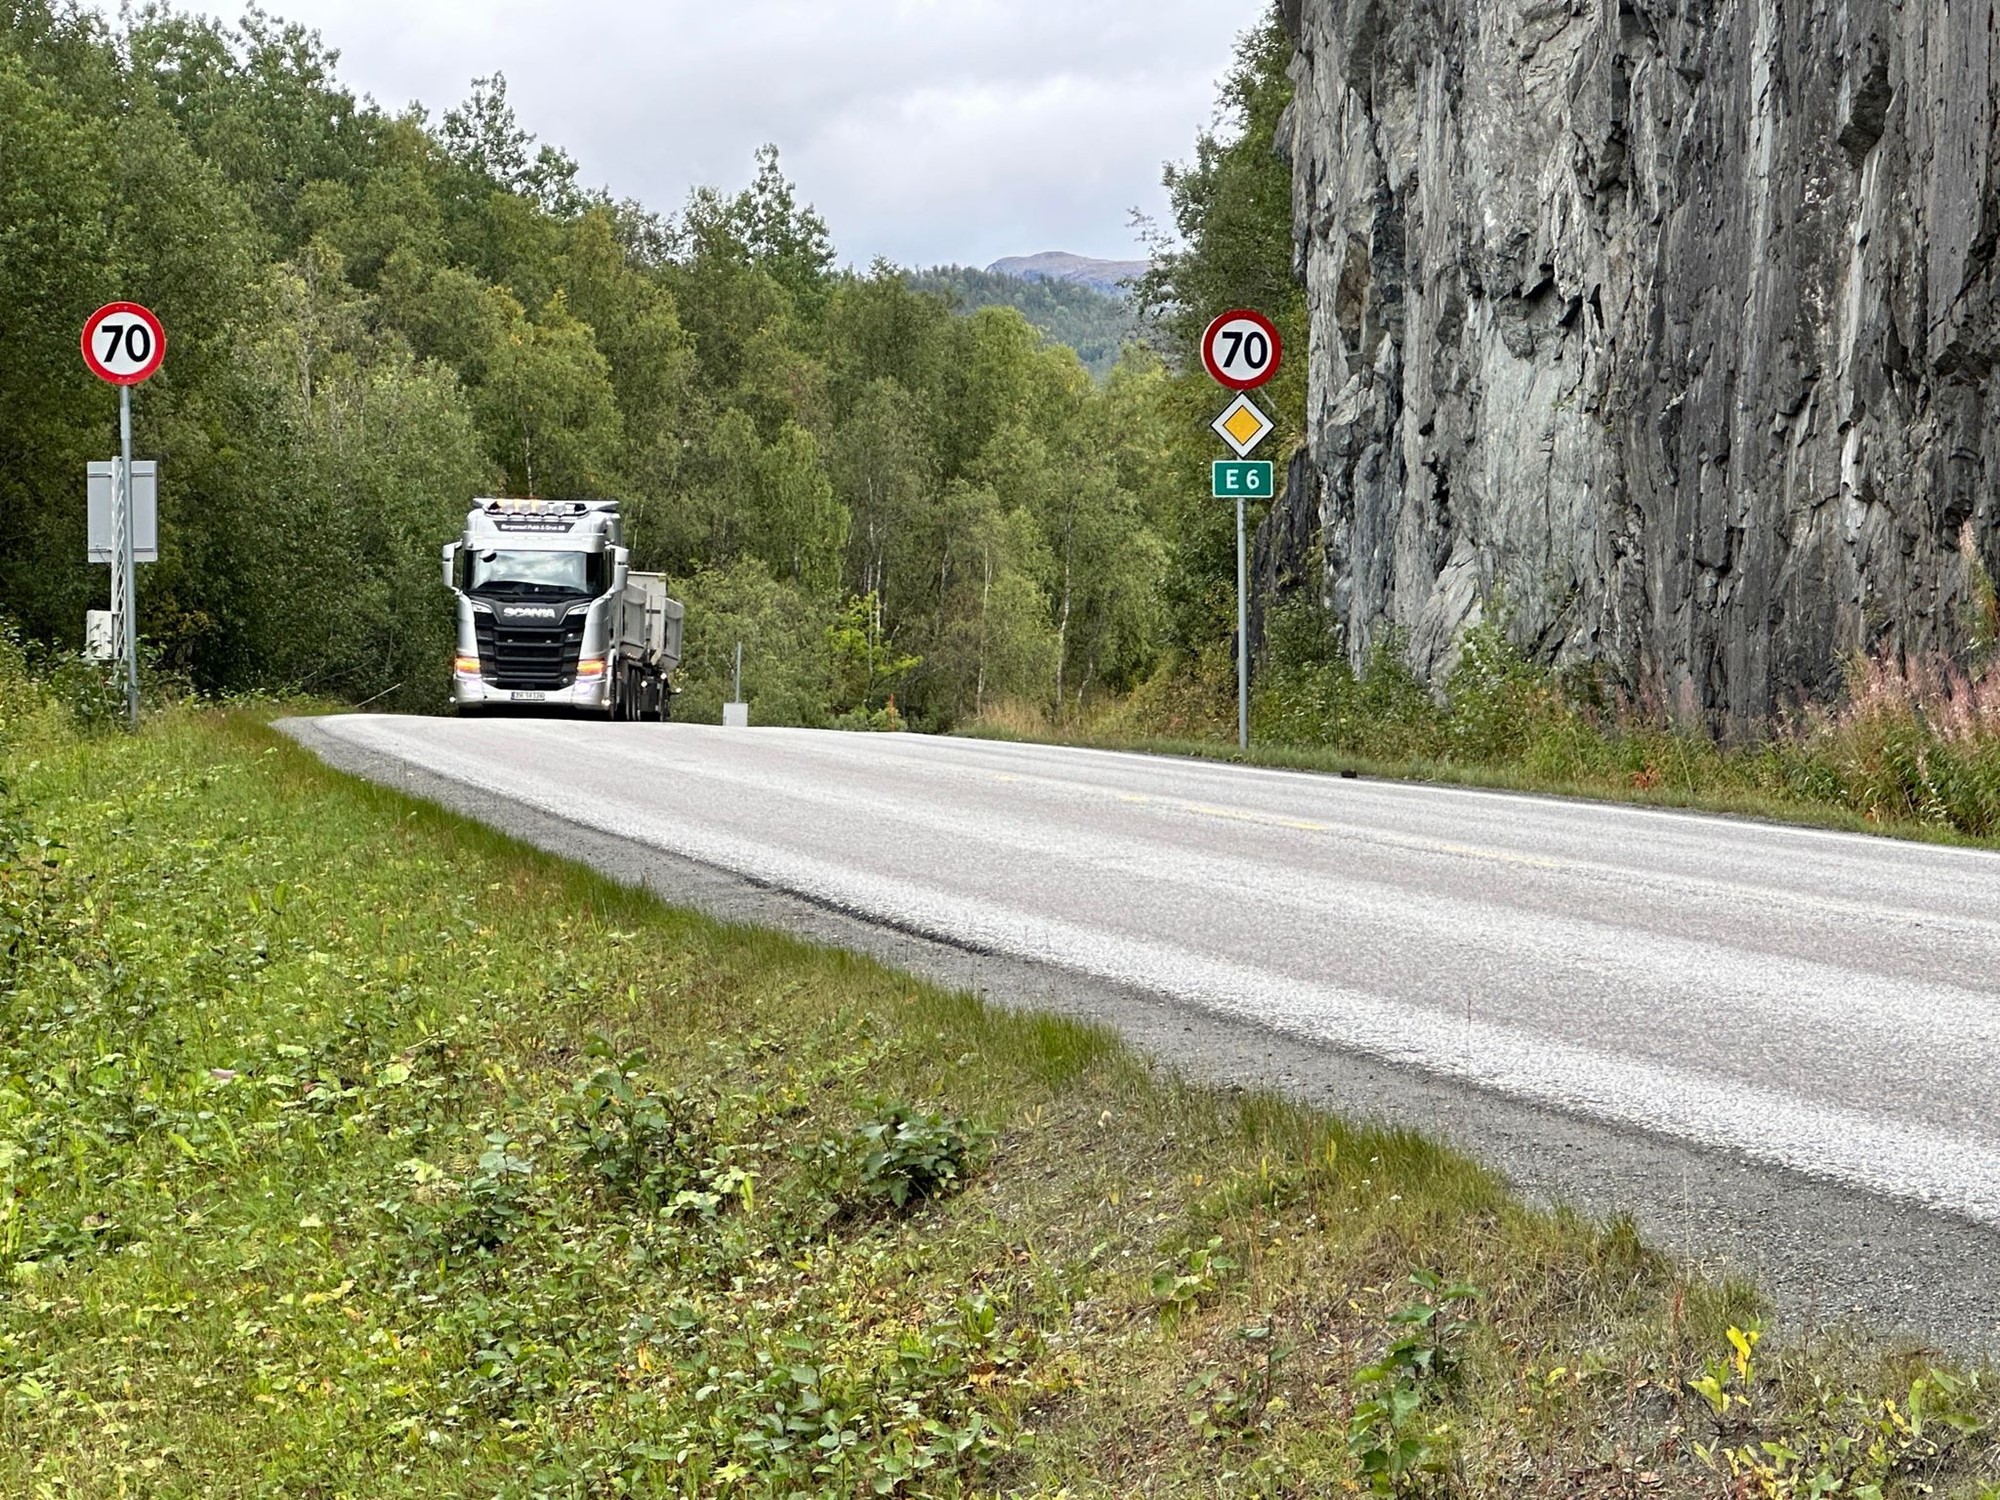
1097,326
375,317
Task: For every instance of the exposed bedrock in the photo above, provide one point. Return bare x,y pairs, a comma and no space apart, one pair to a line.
1671,326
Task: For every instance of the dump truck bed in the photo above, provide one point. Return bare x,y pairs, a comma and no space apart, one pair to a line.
650,622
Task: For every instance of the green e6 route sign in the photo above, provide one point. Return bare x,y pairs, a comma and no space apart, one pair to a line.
1245,479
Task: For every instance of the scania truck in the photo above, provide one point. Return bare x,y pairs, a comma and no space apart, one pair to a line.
550,614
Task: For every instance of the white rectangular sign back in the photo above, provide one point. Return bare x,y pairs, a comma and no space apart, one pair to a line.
145,510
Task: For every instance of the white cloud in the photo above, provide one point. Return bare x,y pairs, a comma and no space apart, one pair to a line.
925,130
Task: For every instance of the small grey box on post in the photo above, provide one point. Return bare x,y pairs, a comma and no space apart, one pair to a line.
100,635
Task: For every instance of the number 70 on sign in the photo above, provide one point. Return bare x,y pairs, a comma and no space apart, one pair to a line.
123,343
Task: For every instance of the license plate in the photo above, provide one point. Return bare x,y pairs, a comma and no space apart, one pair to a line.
528,697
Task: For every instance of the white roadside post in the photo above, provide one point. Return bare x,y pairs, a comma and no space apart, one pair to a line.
736,713
124,344
1242,351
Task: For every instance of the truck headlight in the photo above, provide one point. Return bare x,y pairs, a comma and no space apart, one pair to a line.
590,666
465,666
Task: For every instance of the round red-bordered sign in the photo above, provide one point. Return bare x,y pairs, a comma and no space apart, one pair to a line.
124,343
1242,349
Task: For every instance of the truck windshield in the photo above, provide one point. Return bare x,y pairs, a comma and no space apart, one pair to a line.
570,573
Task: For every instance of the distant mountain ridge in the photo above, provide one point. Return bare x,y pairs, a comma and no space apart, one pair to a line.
1106,276
1095,323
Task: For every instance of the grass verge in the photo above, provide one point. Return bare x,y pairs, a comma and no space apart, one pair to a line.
1685,796
348,1149
1912,750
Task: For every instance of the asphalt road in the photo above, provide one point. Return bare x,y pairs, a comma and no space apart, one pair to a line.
1777,1046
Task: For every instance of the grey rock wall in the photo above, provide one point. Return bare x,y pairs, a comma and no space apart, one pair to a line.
1674,323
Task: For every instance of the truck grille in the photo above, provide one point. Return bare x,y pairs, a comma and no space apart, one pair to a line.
528,658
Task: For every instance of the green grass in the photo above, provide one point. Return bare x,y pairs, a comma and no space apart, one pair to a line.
1912,751
1692,794
347,1149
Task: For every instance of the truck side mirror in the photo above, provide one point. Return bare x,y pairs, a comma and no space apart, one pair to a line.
450,556
621,564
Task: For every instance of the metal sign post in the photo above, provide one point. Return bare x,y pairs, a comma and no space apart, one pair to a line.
123,343
1241,351
128,586
1242,633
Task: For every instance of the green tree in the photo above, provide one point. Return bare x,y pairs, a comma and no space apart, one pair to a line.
765,225
547,405
798,527
483,138
1230,246
375,318
787,670
886,475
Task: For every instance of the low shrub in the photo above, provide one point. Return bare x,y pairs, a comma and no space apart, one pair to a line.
903,1157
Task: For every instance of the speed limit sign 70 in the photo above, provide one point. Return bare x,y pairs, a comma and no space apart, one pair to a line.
1242,349
124,343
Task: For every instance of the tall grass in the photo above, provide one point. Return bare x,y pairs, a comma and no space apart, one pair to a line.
1913,744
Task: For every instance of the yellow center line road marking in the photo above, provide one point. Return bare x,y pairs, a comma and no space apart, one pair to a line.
1411,843
1266,820
1420,845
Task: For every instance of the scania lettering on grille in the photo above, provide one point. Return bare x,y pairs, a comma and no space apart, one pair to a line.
530,612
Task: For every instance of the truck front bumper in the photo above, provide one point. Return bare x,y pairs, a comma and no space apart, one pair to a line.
587,694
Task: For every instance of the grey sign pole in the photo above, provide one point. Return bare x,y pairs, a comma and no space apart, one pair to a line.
1242,634
122,565
121,607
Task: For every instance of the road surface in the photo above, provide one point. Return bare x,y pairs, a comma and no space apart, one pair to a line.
1806,1006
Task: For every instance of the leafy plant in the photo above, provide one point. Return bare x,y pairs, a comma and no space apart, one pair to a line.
1843,1444
1226,1405
1727,1383
1181,1287
27,873
638,1144
90,692
1394,1445
491,1206
905,1156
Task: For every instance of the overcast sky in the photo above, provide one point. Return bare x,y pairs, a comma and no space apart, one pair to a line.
928,131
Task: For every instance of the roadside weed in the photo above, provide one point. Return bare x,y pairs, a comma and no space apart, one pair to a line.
906,1155
1839,1441
1192,1278
1399,1442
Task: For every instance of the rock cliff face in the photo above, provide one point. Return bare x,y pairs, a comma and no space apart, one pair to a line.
1670,323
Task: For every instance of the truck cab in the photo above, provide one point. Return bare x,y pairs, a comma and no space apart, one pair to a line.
543,612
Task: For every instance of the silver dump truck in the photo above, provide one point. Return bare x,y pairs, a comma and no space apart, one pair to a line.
550,614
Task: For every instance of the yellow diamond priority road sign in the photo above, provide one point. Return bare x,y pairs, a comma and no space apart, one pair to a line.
1243,426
